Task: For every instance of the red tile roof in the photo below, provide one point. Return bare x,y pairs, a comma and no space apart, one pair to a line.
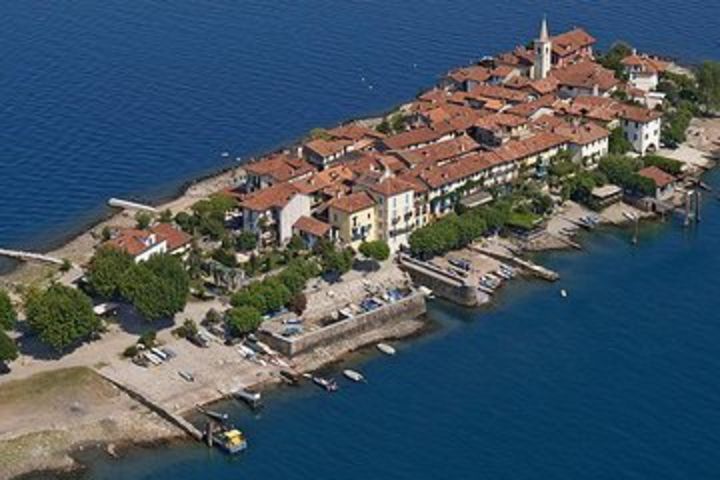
391,186
661,178
639,114
327,148
275,196
411,138
354,132
646,63
519,149
352,203
280,167
585,74
174,237
580,134
474,73
133,241
570,42
439,152
497,92
311,225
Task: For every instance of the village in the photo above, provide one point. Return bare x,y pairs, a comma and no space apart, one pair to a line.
337,242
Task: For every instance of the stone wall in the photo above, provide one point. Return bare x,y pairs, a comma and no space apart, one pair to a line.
443,286
409,307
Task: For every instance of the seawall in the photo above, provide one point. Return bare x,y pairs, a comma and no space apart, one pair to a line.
408,308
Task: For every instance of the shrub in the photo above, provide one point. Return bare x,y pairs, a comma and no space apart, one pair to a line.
242,320
377,250
8,315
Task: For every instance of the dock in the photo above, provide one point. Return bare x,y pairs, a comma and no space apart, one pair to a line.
127,204
29,256
537,270
164,412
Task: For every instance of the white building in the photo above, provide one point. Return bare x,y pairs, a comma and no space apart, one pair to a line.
272,212
543,53
642,128
395,199
643,71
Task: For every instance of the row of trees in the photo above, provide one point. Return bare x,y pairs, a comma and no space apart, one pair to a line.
449,233
622,171
208,216
157,288
8,317
270,295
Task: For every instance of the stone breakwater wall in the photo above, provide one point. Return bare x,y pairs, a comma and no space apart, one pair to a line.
443,284
410,307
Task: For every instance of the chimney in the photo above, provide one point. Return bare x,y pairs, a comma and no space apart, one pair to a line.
596,90
634,51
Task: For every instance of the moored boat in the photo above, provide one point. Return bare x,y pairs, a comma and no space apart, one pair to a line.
230,440
250,396
289,377
326,383
354,375
219,416
386,349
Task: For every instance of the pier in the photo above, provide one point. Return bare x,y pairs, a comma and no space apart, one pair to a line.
29,256
537,270
165,413
126,204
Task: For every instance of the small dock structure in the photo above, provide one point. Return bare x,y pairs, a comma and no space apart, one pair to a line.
128,205
537,270
29,256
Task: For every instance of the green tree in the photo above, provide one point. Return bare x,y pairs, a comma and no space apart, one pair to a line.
617,143
246,241
143,220
243,320
8,349
61,316
613,58
337,261
8,315
166,216
225,256
377,250
157,288
708,81
107,270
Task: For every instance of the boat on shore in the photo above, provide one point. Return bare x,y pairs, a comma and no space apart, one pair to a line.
354,375
251,397
328,384
187,376
386,349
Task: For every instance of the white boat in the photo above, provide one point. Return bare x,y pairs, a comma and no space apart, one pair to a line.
386,349
563,293
249,396
187,376
328,384
355,376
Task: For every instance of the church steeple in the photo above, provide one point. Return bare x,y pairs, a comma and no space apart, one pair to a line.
543,47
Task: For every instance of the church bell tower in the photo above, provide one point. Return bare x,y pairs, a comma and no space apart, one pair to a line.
543,47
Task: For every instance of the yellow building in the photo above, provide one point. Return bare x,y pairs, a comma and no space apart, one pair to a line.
353,219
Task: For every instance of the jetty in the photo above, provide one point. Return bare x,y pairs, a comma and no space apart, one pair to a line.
537,270
30,256
128,205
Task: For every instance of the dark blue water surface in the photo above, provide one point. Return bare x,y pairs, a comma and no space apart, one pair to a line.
621,379
132,98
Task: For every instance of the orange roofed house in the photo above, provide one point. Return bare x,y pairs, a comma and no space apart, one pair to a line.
272,212
143,244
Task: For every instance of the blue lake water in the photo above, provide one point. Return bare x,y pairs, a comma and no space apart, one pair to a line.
620,380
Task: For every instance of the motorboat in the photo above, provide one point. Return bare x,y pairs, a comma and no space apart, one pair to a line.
354,375
328,384
386,349
250,396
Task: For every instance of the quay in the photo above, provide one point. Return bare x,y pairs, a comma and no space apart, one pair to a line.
156,407
537,270
29,256
126,204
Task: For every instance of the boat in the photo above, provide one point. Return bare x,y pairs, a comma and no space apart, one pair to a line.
386,349
230,440
354,375
563,293
187,376
289,377
248,395
219,416
326,383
